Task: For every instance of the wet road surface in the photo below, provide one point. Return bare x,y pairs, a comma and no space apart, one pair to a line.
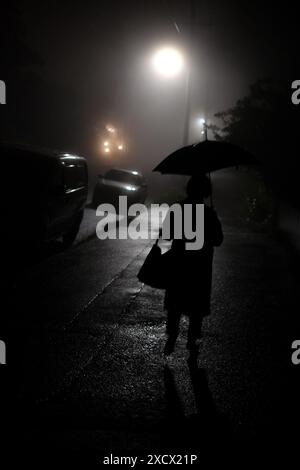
88,368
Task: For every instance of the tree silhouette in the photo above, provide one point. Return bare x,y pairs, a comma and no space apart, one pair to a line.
266,123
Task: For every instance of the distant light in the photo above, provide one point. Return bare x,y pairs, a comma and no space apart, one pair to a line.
106,144
110,129
130,188
201,121
202,132
135,172
120,147
106,150
167,61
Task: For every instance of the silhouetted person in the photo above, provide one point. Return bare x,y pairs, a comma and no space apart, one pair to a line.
189,285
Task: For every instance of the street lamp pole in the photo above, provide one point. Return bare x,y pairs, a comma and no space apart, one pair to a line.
186,123
168,62
188,83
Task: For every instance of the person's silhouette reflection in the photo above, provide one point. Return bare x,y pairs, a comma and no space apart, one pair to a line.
203,398
200,429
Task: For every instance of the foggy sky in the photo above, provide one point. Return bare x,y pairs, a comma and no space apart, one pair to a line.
100,50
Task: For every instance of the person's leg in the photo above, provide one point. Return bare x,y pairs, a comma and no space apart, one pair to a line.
194,333
172,330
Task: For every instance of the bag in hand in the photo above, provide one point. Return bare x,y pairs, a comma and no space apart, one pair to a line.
155,270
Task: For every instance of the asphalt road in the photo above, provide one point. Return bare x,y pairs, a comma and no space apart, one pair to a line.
86,368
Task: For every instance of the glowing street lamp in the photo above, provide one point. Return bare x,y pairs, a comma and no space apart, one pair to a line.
110,129
168,61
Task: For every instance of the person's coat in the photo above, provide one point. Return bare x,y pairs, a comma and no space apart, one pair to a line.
190,272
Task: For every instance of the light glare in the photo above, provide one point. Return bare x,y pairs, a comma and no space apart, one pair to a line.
168,62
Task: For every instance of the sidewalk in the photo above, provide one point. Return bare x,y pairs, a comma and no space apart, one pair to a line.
125,396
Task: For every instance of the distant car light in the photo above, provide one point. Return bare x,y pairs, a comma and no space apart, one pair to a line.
119,182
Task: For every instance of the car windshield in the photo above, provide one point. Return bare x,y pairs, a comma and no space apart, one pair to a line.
123,177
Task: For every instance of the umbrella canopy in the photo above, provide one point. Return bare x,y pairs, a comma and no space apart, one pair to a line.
205,157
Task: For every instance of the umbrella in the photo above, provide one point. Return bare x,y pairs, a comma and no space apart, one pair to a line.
204,157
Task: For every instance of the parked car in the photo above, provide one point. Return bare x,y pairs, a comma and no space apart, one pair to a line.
117,182
43,194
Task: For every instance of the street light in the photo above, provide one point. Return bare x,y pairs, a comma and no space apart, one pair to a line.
203,125
110,129
168,61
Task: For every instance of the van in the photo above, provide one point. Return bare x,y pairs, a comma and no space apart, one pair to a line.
43,194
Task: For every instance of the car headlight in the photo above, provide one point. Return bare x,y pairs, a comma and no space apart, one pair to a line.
131,188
